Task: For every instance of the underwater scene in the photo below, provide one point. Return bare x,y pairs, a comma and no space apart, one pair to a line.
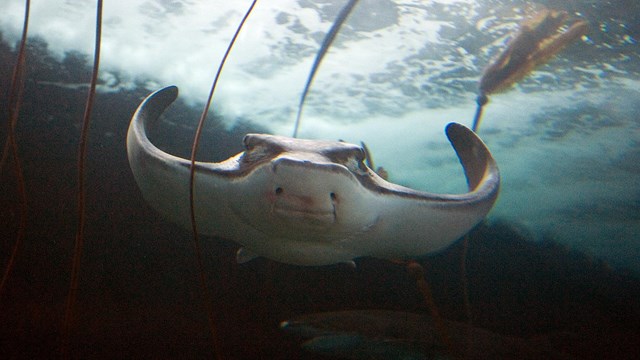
446,179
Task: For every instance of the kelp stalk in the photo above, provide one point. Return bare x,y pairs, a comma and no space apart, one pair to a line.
82,151
15,100
417,272
192,171
326,43
538,39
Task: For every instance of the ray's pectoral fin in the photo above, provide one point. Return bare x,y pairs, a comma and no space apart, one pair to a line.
479,166
161,177
422,222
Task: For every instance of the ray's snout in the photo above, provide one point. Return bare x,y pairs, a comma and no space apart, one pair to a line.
306,190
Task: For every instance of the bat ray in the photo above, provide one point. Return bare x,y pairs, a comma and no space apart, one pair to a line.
309,202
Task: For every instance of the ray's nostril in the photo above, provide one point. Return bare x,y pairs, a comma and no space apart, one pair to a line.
279,190
333,196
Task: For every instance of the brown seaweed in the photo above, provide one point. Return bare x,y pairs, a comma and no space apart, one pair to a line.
539,38
535,43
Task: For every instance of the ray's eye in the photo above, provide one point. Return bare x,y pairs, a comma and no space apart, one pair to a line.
360,154
248,142
355,161
256,149
361,157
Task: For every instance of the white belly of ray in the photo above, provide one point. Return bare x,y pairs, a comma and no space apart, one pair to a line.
308,202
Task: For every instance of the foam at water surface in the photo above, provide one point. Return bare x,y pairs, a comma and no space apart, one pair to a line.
565,139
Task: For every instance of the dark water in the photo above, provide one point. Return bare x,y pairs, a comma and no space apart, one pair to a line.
139,295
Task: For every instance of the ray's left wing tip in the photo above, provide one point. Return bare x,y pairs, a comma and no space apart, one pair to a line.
474,155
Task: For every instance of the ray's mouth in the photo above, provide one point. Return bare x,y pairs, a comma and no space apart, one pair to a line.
305,210
304,214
